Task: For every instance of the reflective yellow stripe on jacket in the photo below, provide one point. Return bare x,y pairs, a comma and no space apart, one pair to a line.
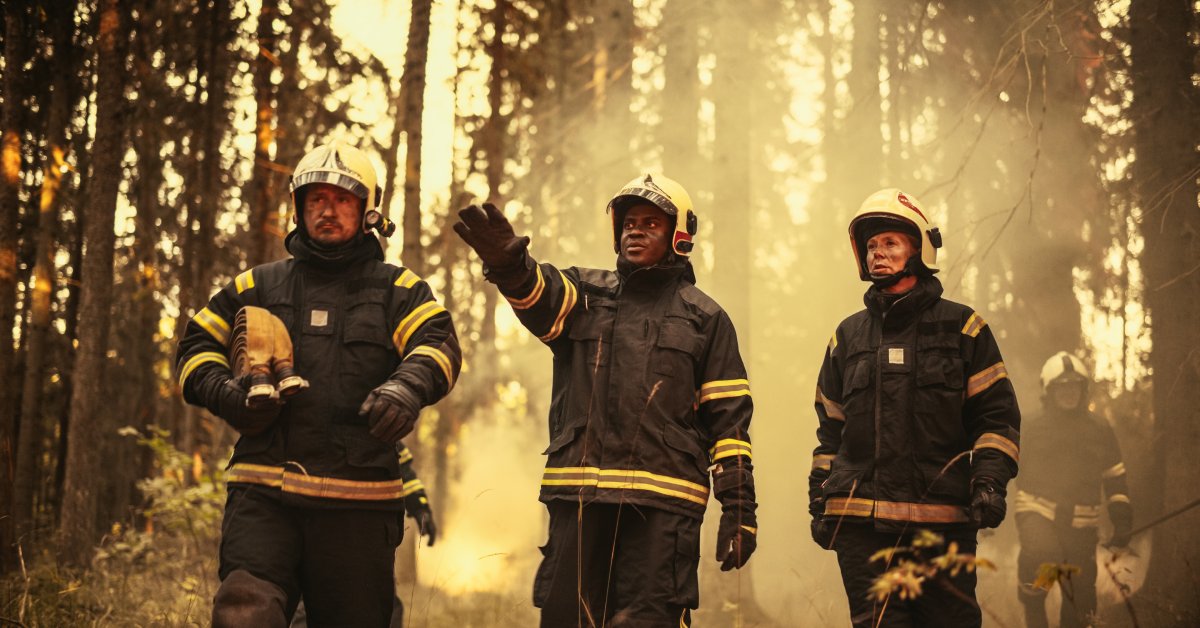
1082,516
623,479
724,389
312,485
728,447
895,511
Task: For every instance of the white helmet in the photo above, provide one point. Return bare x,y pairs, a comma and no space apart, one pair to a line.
665,194
890,209
1061,368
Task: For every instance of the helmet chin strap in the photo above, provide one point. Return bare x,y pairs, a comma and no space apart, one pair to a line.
884,282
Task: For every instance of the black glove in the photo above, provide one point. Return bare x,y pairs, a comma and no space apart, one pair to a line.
228,400
417,507
987,502
391,410
822,531
491,235
737,536
1121,515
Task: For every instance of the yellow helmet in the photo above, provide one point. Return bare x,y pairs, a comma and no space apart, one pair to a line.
1062,367
890,209
341,165
665,194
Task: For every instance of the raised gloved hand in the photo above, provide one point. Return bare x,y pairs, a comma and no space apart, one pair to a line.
417,507
1121,515
987,502
231,404
391,410
491,235
737,535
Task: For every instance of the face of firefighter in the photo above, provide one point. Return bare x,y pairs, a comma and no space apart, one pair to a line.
645,234
332,215
887,253
1066,395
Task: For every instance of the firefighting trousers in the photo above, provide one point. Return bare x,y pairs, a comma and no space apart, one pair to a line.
1044,541
620,566
339,560
944,600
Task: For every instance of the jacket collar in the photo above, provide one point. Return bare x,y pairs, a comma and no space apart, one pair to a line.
903,308
361,248
673,267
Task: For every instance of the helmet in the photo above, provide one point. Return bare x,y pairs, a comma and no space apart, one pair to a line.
346,167
890,209
1063,368
665,194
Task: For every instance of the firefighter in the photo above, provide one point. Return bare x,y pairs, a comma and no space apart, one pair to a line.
918,422
649,393
1072,464
315,487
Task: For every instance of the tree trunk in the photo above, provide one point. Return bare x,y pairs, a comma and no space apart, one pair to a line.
1166,122
412,89
10,182
681,95
77,529
33,419
266,231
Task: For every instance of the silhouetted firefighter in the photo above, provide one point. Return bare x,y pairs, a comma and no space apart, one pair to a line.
316,493
649,391
1072,462
907,387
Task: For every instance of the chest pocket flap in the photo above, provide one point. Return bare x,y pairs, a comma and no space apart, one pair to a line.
365,319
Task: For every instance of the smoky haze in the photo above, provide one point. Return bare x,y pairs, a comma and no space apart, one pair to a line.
780,119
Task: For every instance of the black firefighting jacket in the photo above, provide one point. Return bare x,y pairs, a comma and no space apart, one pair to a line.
355,322
649,389
1071,459
913,403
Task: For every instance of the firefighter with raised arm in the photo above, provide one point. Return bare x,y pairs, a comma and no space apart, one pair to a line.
918,425
316,492
1072,465
649,393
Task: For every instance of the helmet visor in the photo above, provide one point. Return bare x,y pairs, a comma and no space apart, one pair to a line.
338,179
630,195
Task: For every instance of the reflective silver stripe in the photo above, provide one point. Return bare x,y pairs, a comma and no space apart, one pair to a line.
974,325
624,479
991,440
984,379
1114,471
723,389
312,485
569,297
822,461
728,447
833,409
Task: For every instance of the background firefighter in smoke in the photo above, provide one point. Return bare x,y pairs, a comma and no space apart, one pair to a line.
649,392
1072,462
918,422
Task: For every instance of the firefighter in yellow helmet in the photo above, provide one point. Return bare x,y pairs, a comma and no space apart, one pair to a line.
918,425
649,393
316,491
1072,465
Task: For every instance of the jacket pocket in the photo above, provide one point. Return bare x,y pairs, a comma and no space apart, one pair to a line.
591,332
563,438
938,406
694,456
945,484
841,481
367,452
679,346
